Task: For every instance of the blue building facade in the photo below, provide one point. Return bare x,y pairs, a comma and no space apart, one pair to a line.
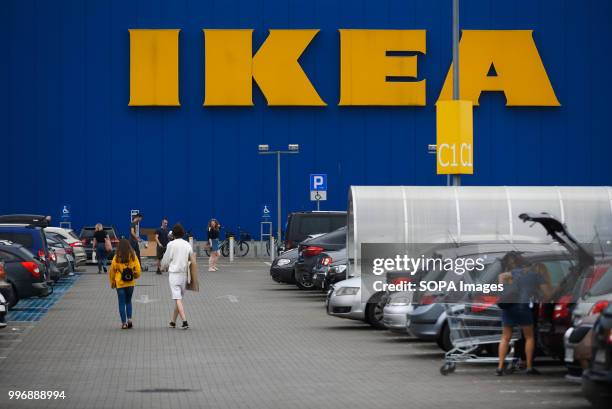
69,137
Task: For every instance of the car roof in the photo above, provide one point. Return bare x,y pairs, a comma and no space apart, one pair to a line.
27,219
20,226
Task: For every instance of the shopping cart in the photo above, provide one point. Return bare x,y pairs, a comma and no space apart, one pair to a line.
472,326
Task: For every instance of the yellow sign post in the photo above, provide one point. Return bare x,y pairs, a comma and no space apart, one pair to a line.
454,138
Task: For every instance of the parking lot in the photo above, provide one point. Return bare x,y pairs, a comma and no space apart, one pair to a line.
253,343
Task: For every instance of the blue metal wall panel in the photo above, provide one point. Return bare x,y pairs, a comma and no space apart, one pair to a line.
68,136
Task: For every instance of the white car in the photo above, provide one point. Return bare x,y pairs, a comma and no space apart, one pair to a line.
344,301
71,238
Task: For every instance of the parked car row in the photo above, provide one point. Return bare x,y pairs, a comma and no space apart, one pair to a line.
34,255
573,326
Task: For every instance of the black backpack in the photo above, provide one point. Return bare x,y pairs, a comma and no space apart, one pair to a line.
127,274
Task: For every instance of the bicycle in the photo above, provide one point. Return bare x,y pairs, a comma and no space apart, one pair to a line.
279,247
241,246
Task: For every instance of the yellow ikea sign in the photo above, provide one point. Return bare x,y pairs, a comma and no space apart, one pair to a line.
368,58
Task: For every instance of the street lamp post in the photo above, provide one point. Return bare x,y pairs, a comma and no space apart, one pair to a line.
292,148
456,178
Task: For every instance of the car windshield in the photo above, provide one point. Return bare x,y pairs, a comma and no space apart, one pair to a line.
604,285
320,224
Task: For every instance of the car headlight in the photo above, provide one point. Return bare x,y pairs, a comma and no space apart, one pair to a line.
340,269
283,262
347,290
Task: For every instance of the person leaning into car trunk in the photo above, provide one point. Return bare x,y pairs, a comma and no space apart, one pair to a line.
123,273
176,262
523,287
99,246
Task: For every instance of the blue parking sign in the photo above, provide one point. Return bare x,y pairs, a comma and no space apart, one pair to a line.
318,182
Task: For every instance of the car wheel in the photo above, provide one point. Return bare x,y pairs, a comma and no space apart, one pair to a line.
12,299
444,341
304,285
374,311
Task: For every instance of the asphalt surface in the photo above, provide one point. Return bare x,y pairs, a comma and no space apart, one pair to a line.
253,344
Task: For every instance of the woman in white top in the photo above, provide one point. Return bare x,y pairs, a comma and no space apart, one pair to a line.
176,262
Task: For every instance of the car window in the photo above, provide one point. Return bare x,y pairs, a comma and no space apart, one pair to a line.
604,285
320,223
73,235
6,256
335,237
25,253
24,239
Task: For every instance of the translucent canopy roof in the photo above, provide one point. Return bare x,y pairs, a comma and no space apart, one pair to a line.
447,214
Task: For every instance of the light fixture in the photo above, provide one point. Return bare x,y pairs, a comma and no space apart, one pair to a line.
294,147
264,148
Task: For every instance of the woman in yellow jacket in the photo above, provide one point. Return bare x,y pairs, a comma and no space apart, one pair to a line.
124,271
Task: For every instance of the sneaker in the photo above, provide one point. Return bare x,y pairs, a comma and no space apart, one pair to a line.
532,371
158,271
172,324
130,325
124,326
499,371
211,269
105,270
185,325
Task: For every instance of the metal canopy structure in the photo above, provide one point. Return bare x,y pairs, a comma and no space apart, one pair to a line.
463,214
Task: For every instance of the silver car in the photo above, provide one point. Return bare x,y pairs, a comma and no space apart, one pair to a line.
344,301
397,307
71,238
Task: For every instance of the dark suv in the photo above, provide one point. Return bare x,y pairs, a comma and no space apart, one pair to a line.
300,225
86,237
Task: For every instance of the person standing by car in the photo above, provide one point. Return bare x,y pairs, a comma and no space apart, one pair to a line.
134,237
213,242
176,262
99,243
124,270
523,286
161,238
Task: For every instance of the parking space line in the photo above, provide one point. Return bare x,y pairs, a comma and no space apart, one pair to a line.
267,263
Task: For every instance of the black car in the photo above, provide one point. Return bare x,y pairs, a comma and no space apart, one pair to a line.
329,269
300,225
309,252
24,272
597,380
281,270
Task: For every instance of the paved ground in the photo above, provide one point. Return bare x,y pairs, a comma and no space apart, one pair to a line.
254,344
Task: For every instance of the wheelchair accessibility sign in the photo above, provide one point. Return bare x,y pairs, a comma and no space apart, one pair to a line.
318,187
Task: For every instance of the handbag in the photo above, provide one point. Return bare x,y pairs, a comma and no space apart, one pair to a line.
193,283
108,246
510,295
127,274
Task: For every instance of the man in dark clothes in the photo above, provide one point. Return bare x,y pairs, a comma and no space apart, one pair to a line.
134,238
161,238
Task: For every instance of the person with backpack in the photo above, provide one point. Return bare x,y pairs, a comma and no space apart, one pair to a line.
176,262
523,286
123,273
